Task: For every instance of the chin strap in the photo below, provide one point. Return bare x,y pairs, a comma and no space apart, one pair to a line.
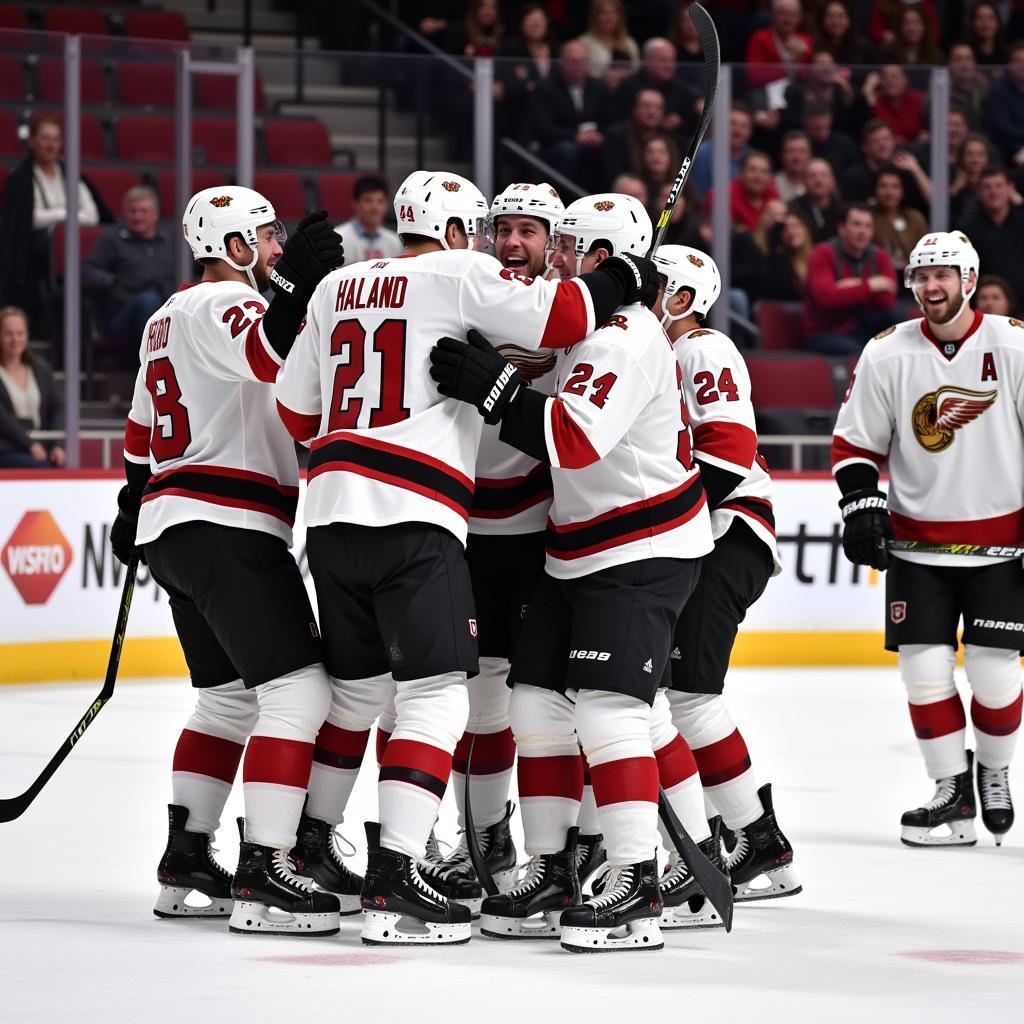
668,318
247,269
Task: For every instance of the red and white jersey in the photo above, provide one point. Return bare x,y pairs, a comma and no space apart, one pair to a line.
716,387
386,446
204,419
625,484
951,427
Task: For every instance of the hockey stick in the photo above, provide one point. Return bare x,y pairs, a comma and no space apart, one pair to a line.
476,857
15,806
923,547
712,65
714,883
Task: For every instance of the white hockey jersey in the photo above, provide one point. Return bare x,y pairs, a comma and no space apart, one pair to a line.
625,486
951,428
386,446
204,418
716,388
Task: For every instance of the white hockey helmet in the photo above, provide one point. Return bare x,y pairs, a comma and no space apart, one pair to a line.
619,219
944,249
215,213
684,267
527,200
427,200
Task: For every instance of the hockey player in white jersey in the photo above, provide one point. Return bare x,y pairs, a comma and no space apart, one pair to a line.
210,500
939,399
390,491
716,387
627,528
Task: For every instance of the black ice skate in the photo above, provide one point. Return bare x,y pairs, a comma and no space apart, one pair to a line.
686,906
996,805
187,869
270,899
400,908
951,810
454,875
762,850
590,855
531,910
624,917
316,856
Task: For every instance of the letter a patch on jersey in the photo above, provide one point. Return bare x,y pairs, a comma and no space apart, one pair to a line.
988,367
897,611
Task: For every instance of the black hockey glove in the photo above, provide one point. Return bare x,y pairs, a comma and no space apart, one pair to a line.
123,529
310,254
867,528
621,281
473,372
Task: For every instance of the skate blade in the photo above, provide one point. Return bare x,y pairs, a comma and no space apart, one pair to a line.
540,926
176,901
953,833
380,929
771,885
696,912
504,880
260,919
642,934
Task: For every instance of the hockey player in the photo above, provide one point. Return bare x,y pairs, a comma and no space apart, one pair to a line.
628,526
390,491
716,388
210,499
939,398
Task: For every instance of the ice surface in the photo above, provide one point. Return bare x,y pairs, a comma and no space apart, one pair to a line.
881,932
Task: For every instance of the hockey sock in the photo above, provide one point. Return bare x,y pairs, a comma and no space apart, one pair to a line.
385,725
341,744
936,710
677,772
721,755
275,773
615,731
995,678
587,819
549,773
209,750
430,717
494,752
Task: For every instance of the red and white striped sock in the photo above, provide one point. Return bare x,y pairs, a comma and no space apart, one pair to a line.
941,728
995,678
383,738
677,772
587,820
996,731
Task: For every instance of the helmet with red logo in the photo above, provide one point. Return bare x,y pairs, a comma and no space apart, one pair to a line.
683,267
944,249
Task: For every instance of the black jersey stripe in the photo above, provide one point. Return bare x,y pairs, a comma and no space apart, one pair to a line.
234,489
492,501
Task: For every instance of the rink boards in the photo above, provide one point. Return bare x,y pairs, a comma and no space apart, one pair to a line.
60,585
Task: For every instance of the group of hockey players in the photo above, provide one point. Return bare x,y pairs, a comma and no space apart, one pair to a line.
534,525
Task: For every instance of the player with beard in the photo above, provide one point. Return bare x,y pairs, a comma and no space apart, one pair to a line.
941,399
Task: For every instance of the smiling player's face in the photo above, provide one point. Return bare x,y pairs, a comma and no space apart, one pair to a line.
520,243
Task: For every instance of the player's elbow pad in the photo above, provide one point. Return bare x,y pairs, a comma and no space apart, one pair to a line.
281,323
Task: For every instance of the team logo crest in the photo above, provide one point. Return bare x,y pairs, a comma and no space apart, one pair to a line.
530,365
938,415
221,201
604,205
897,611
450,186
695,260
701,332
884,334
617,320
930,241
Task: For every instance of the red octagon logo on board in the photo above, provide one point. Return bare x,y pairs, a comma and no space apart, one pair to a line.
36,556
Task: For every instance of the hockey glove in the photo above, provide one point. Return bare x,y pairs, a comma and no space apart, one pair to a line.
124,527
310,254
626,279
867,529
473,372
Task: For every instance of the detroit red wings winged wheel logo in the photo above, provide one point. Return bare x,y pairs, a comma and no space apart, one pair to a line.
530,364
450,186
221,201
938,415
604,205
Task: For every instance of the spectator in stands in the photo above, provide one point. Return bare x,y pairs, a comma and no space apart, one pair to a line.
1006,108
570,114
885,15
838,36
35,201
660,163
851,288
608,41
749,192
632,185
681,225
778,51
968,87
747,265
913,41
827,144
795,156
131,270
29,398
895,103
364,236
824,84
683,36
997,228
878,146
479,34
973,157
819,206
788,246
897,227
657,72
624,148
531,53
994,295
986,36
741,127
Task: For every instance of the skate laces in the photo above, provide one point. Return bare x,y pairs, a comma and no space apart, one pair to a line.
533,871
214,863
283,870
336,850
677,875
421,883
995,788
944,792
739,851
620,881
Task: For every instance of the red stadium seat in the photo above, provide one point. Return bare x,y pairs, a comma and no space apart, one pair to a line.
12,78
146,84
297,143
336,193
201,178
13,16
285,190
220,92
88,240
10,144
214,140
50,81
112,183
77,21
782,327
156,25
145,138
93,145
801,382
